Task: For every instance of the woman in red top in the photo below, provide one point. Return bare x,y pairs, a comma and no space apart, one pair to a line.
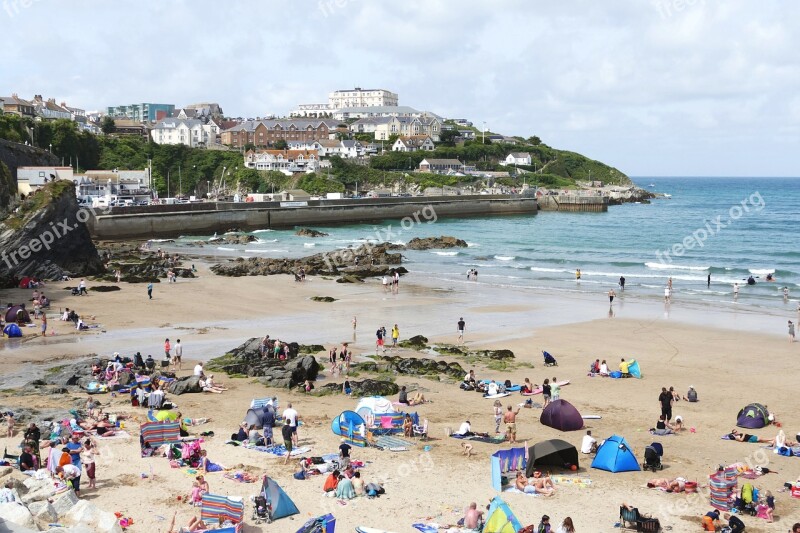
167,348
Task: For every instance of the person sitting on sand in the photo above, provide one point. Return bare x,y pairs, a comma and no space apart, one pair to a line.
207,466
491,389
662,427
678,425
344,489
521,484
589,443
331,481
623,367
746,437
527,387
408,426
671,485
358,484
208,388
211,382
473,518
603,371
543,484
465,430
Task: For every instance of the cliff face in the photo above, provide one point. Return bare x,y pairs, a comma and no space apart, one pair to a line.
12,156
47,238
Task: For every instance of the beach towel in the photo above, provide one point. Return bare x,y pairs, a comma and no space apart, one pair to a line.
393,443
427,528
517,491
497,439
280,450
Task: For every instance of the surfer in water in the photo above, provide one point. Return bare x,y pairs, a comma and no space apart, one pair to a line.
751,280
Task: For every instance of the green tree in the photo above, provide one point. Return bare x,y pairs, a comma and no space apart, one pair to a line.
536,141
281,144
448,137
107,125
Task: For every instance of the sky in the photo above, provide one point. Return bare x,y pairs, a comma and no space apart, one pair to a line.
652,87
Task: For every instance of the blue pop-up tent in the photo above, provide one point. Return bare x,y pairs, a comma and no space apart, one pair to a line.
278,502
12,330
500,518
634,370
351,426
320,524
615,455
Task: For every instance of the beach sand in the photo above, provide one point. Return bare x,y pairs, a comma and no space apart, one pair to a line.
729,368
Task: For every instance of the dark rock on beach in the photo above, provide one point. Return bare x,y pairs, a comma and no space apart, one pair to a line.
307,232
368,387
234,239
432,243
413,366
246,360
185,385
327,299
104,288
417,342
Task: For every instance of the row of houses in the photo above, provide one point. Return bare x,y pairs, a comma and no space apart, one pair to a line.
45,109
133,185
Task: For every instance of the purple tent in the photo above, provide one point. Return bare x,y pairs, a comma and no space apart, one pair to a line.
753,416
11,314
561,415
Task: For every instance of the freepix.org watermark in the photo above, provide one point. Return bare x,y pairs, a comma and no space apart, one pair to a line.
382,235
328,7
14,7
49,237
668,8
711,228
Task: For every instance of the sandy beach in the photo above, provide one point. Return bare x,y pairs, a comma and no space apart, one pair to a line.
728,364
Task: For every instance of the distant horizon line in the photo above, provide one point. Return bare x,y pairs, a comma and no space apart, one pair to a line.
720,177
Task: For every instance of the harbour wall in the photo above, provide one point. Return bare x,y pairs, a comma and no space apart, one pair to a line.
573,203
145,222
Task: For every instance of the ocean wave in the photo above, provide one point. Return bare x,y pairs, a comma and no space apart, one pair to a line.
443,253
544,269
261,230
665,266
265,241
505,257
309,244
473,245
161,240
761,272
226,249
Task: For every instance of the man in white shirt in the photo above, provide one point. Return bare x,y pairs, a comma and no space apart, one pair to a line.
198,369
178,355
589,443
71,473
465,429
290,415
491,390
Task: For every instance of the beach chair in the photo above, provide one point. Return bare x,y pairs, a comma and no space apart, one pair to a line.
421,431
634,521
549,360
386,427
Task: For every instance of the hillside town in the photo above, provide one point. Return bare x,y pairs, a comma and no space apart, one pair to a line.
355,125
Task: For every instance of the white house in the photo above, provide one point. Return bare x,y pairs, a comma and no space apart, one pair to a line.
191,132
409,126
31,179
517,158
359,97
413,143
49,109
286,161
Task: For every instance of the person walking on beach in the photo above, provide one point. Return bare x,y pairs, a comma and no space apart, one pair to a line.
395,336
708,281
82,288
288,436
355,323
669,283
577,274
461,325
791,331
150,290
622,283
379,341
611,295
667,295
735,291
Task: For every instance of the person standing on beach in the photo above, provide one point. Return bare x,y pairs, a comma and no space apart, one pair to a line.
577,274
292,418
611,295
355,324
667,294
461,325
395,336
288,437
150,290
498,415
379,341
510,420
44,324
82,288
167,348
665,400
178,354
791,331
708,281
622,283
385,282
735,291
669,283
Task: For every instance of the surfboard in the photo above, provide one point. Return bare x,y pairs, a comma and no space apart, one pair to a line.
512,388
500,395
539,390
362,529
591,417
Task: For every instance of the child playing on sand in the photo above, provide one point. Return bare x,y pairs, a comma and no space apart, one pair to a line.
467,448
9,424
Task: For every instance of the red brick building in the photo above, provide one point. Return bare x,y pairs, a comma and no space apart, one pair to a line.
267,132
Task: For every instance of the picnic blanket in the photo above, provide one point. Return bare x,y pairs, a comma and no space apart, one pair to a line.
516,490
497,439
571,480
393,443
280,450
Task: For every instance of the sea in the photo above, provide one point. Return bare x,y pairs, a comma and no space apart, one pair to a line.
727,228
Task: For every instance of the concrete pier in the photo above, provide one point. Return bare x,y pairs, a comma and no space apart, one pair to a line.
574,203
145,222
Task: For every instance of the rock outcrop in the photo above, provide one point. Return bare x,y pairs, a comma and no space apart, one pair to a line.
307,232
246,360
47,238
12,156
233,239
185,385
361,262
433,243
368,387
413,366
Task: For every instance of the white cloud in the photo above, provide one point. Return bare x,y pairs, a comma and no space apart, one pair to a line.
640,85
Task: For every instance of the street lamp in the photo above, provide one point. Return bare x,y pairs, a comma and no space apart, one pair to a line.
51,148
208,189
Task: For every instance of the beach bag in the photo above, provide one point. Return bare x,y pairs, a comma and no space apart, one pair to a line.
527,529
616,374
300,475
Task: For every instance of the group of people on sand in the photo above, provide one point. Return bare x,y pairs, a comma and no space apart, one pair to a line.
538,484
340,364
273,349
474,520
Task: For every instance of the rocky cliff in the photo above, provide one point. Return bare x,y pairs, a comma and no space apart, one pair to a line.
46,237
12,156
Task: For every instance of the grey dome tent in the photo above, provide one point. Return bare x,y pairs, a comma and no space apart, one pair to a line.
553,452
561,415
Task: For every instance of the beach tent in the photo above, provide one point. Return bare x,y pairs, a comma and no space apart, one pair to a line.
351,426
634,370
615,455
373,406
263,402
506,461
561,415
165,415
278,502
753,416
722,486
500,519
553,452
253,417
12,330
23,283
215,509
158,433
320,524
11,314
